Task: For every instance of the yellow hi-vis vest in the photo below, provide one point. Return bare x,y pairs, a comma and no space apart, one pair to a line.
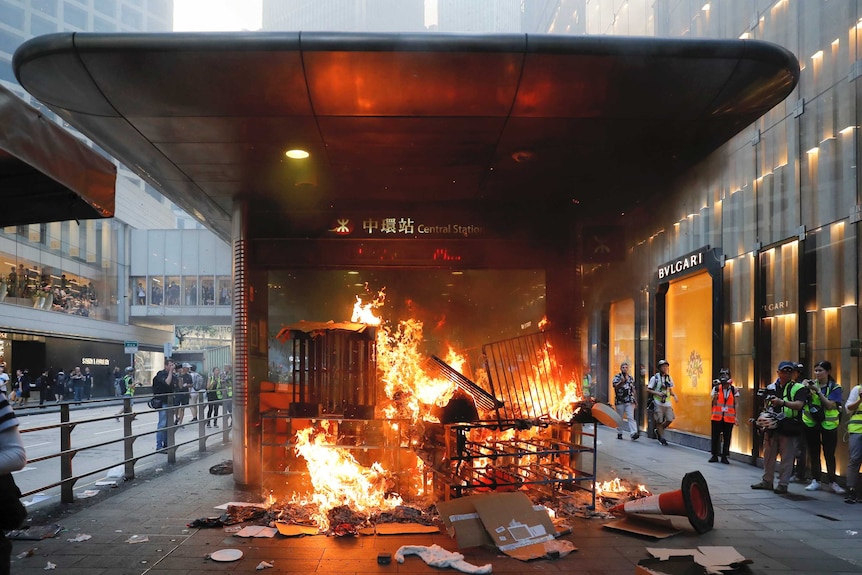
832,416
854,424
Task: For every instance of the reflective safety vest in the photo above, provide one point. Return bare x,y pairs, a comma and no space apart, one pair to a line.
227,386
724,406
129,384
788,393
832,416
854,424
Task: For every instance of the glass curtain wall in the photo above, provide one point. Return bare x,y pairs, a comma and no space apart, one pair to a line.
622,336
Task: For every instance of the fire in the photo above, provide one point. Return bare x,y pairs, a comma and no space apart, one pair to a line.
338,479
400,362
364,313
615,487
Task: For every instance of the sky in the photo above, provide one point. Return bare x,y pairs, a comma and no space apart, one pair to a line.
216,15
231,15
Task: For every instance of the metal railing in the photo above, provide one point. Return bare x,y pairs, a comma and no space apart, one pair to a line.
68,450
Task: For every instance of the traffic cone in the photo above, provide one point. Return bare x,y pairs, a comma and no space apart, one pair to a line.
692,501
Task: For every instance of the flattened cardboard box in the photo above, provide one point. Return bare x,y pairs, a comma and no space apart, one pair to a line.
508,521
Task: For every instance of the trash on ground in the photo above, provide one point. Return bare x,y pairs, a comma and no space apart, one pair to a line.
436,556
208,522
851,532
87,493
226,555
710,559
35,532
50,566
117,472
291,530
223,468
80,537
256,531
37,498
137,539
27,553
106,483
264,565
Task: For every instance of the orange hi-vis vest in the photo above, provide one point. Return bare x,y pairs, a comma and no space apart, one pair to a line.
724,406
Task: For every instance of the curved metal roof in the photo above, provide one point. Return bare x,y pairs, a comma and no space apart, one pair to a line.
428,121
46,174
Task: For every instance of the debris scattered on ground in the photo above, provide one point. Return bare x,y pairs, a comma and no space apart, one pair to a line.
117,472
264,565
80,537
256,531
436,556
27,553
87,493
223,468
37,498
50,566
137,539
35,532
206,522
106,483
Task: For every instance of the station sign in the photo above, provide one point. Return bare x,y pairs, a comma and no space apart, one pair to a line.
130,347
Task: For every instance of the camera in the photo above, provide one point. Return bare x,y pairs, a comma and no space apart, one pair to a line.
765,394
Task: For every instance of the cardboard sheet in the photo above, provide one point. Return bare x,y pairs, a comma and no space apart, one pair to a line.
655,526
715,559
290,530
508,521
399,529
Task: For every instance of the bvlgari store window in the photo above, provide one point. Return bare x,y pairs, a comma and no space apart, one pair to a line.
686,337
621,320
689,350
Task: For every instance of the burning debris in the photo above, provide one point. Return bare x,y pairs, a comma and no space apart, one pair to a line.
372,420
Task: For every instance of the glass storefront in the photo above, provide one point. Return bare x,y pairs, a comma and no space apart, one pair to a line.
689,350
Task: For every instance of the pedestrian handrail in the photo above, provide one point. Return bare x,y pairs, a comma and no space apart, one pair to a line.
67,452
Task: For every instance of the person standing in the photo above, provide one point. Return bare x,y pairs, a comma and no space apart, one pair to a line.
12,458
88,384
625,392
785,401
227,392
77,380
163,386
821,417
182,397
4,380
43,386
197,392
117,377
854,431
213,396
127,383
22,384
723,418
661,389
59,385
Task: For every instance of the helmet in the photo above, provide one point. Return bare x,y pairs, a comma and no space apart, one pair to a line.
130,369
767,420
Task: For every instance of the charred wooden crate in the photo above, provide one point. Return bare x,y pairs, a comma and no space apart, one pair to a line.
332,369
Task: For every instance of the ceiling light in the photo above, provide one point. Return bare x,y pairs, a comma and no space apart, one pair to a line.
296,154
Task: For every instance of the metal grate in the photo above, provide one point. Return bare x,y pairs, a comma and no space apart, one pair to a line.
482,398
529,373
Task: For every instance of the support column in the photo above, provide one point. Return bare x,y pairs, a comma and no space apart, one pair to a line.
249,298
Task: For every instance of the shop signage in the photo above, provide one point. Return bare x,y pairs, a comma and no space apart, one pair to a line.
95,361
685,264
130,347
777,308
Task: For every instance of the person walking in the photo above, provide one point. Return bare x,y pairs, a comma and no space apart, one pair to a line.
88,384
12,458
625,391
784,401
43,386
723,417
661,389
128,387
854,431
197,392
821,416
22,384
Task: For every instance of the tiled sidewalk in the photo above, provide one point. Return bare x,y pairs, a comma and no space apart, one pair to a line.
803,533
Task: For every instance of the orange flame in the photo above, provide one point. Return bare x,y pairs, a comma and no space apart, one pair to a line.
338,479
364,313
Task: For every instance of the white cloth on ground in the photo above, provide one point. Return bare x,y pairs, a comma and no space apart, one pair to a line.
436,556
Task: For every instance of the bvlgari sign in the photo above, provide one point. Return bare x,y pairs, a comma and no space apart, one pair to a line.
685,264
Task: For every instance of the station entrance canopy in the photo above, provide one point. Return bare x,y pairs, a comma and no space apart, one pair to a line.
513,127
46,174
